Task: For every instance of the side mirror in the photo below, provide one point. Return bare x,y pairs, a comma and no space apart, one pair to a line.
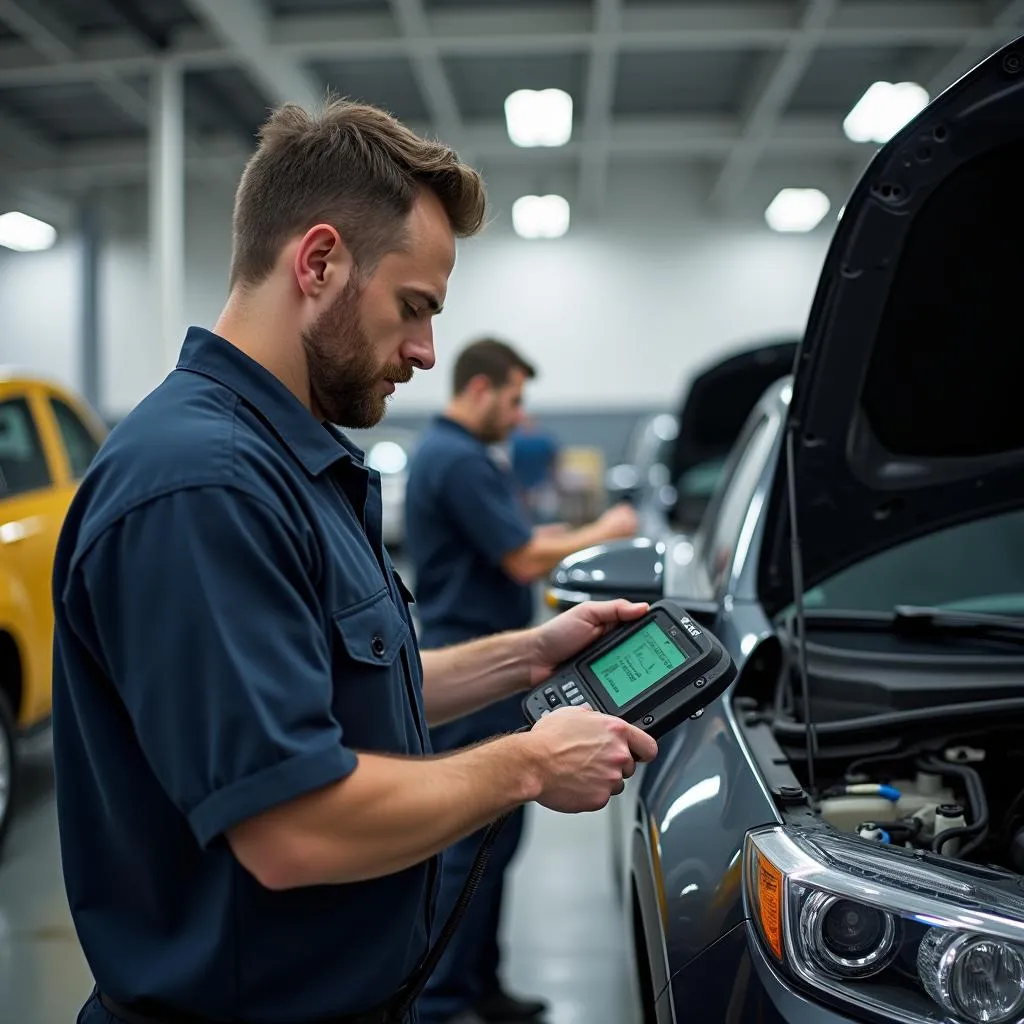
621,482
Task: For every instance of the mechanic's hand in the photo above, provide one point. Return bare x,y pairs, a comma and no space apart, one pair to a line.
561,637
585,757
619,521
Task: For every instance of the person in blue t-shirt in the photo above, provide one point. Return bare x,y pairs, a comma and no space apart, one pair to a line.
475,554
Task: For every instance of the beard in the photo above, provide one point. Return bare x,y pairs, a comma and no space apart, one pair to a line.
492,430
343,373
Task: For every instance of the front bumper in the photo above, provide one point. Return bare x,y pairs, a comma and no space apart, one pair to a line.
731,981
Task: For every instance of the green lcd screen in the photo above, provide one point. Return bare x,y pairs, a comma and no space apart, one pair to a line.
639,662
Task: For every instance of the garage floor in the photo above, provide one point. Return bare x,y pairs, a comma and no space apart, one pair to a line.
565,940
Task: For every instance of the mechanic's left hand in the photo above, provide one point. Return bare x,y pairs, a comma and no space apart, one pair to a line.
572,630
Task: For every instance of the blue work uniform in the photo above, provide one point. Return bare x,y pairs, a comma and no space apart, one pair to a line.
230,633
463,515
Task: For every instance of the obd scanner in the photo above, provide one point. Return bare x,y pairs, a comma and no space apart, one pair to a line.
654,672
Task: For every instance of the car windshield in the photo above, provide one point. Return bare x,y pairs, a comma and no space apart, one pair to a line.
972,567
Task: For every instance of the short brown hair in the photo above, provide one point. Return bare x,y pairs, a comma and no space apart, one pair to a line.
491,358
352,166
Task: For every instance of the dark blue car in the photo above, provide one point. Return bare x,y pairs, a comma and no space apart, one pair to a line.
840,837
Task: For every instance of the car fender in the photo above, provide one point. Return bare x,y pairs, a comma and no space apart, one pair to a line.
698,800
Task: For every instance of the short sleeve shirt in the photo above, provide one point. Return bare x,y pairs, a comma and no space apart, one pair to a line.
464,514
230,634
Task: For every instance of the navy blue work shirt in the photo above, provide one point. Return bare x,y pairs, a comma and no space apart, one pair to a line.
463,515
229,633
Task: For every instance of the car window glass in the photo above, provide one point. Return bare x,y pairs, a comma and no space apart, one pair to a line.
976,566
80,445
22,459
731,509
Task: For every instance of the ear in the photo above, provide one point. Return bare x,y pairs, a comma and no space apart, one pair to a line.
479,385
322,261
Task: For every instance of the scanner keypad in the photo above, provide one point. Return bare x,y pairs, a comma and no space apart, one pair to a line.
564,691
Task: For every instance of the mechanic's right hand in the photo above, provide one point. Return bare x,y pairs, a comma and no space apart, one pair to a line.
619,521
585,757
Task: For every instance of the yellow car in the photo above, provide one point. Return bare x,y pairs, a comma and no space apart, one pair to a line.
48,437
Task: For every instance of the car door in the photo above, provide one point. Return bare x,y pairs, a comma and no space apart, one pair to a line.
31,512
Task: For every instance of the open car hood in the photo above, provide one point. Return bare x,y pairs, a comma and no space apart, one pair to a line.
719,399
908,401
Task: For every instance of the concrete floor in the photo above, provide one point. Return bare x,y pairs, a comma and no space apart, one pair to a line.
565,938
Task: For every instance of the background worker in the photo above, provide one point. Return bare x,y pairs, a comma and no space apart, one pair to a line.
249,815
475,555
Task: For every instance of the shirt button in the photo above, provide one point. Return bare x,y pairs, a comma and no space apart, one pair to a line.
377,645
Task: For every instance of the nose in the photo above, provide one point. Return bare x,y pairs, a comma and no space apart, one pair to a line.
419,348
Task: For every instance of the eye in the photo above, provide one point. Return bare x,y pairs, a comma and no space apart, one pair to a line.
409,311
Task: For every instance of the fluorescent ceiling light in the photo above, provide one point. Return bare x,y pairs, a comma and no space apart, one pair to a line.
797,209
539,117
540,216
23,233
883,110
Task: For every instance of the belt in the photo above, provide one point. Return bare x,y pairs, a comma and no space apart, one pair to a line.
137,1015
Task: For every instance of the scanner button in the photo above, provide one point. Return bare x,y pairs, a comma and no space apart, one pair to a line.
648,719
578,699
586,705
570,690
553,699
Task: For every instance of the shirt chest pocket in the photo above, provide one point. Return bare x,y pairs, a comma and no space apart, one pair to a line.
371,694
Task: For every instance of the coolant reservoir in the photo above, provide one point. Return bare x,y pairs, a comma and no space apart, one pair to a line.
924,791
847,812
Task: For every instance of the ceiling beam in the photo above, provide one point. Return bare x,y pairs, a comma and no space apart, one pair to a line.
768,100
599,98
22,147
514,30
431,76
246,29
57,42
633,139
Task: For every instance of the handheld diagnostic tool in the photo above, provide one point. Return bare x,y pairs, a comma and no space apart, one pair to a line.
653,672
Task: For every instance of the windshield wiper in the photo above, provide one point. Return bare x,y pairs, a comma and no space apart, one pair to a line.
914,621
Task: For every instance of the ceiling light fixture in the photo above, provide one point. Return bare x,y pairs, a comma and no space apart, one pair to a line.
23,233
883,110
540,216
538,117
797,209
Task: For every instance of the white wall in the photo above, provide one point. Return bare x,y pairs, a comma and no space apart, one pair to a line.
614,314
40,311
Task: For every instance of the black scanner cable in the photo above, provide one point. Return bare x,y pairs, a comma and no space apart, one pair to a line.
397,1008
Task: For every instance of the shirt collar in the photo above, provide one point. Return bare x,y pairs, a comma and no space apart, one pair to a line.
449,424
317,446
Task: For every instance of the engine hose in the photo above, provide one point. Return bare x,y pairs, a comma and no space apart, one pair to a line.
912,826
978,828
895,721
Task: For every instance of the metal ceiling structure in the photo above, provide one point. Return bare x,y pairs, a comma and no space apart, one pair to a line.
727,84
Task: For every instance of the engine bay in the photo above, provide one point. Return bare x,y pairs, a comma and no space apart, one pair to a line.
961,799
919,745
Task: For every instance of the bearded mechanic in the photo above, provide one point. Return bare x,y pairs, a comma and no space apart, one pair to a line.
249,812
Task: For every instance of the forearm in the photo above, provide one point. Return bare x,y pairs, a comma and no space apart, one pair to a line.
544,551
388,815
464,677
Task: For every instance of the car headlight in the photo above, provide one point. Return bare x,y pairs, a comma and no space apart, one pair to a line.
901,933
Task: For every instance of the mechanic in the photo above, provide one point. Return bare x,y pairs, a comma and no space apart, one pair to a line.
249,815
475,555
